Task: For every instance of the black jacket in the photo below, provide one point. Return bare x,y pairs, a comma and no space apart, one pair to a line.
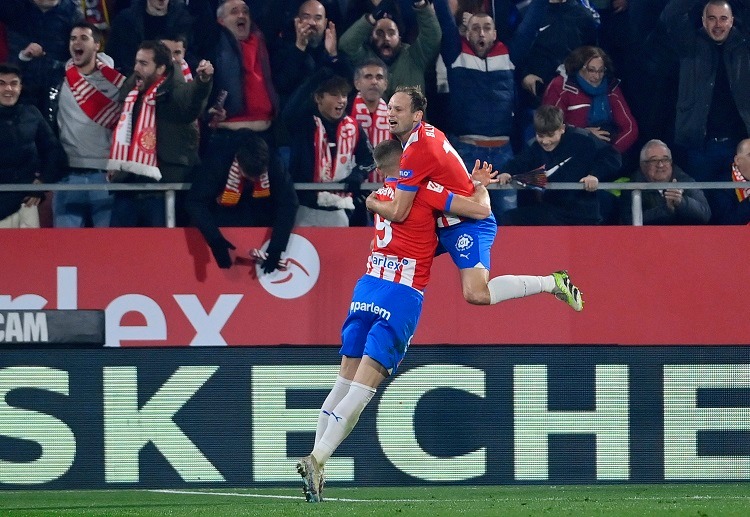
277,210
694,208
298,117
699,57
28,148
128,32
578,154
566,26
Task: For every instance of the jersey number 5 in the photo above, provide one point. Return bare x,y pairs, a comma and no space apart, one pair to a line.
385,226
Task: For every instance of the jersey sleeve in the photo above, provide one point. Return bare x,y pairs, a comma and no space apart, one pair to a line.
436,196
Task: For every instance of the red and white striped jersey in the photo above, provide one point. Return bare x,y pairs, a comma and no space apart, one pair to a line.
429,156
403,252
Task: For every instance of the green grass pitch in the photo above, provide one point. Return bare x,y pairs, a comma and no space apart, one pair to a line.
699,500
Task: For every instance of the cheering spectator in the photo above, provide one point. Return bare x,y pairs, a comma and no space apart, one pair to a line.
155,137
327,146
407,63
86,111
28,152
252,190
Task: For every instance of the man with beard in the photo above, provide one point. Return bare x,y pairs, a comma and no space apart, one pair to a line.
155,137
87,110
407,64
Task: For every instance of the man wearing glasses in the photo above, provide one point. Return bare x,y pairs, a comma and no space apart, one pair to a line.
668,206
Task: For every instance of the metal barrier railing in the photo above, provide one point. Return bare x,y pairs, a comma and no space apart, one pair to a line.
170,190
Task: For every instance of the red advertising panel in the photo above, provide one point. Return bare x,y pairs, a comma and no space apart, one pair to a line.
161,287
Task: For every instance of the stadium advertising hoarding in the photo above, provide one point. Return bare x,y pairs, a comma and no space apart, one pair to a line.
239,416
161,287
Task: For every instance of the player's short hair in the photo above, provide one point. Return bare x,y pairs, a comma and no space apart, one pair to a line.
252,154
162,54
96,32
548,119
335,85
418,100
387,153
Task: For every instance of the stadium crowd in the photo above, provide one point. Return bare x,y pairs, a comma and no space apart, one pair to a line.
242,98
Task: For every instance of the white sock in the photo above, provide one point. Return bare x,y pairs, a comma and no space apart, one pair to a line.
338,392
342,420
507,287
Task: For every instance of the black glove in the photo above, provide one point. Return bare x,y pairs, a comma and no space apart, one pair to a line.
353,183
220,248
271,263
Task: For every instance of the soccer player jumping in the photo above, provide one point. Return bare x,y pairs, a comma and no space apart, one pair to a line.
429,156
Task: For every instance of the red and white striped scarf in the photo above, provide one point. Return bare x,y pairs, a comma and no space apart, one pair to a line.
134,148
186,73
742,193
96,12
235,184
97,106
375,125
347,136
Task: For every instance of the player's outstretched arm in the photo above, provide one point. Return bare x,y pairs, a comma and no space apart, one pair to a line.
395,211
475,207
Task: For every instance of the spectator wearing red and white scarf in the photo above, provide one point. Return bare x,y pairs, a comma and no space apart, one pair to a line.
177,45
327,145
155,138
369,108
87,112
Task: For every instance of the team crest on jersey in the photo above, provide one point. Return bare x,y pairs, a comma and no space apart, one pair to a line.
464,242
436,187
405,173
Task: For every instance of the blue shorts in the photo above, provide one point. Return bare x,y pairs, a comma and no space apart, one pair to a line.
469,242
382,319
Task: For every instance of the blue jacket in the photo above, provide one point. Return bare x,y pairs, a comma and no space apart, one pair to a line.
482,90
